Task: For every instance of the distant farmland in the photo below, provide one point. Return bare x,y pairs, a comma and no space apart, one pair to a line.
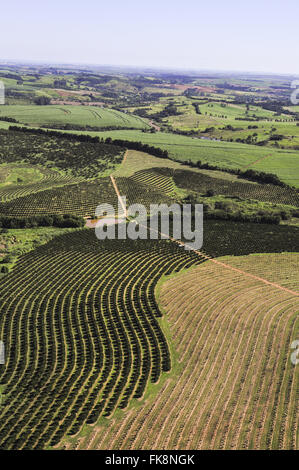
283,163
71,115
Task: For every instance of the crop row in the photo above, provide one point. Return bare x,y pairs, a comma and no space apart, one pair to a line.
201,183
237,387
85,159
80,324
50,178
82,198
138,193
79,199
155,180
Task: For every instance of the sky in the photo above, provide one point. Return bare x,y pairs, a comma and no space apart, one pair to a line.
228,35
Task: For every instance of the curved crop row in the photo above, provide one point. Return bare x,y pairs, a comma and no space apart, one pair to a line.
138,193
79,199
80,325
201,183
236,386
82,198
154,179
50,179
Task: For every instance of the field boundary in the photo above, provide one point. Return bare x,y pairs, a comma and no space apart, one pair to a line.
201,254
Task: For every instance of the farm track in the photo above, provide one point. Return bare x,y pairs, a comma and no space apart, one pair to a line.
256,161
207,257
236,387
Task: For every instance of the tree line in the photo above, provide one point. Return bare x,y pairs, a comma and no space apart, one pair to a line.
132,145
60,221
251,175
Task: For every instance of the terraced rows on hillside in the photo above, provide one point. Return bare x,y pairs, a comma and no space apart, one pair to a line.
138,193
79,199
82,198
234,385
50,179
82,336
200,183
155,180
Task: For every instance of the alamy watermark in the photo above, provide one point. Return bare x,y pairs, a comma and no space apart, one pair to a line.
184,222
2,353
295,93
2,93
295,354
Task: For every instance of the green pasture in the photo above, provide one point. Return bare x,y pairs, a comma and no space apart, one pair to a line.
55,115
18,175
219,115
215,118
284,163
16,242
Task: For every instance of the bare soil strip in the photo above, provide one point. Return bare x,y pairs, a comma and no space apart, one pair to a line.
234,386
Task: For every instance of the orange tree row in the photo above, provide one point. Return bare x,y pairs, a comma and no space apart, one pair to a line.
80,324
81,158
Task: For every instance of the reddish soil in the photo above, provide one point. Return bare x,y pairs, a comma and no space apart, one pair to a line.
62,92
77,103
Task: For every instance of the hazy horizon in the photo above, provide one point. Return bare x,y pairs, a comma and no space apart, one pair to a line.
145,68
195,36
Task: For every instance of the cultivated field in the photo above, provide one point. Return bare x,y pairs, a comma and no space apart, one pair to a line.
233,385
71,156
81,320
22,180
231,155
61,116
80,198
140,344
221,119
283,163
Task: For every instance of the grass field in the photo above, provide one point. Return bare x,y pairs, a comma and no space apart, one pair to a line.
233,385
284,163
73,115
18,175
228,121
138,161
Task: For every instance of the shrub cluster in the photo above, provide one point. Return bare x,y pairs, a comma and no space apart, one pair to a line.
8,119
61,221
252,175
